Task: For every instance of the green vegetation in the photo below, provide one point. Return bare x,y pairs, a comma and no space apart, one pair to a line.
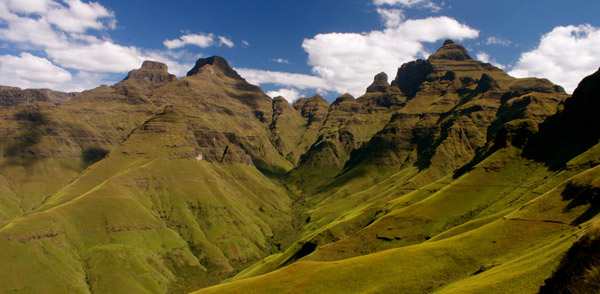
451,179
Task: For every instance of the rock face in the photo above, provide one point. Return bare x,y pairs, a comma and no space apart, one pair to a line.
155,73
380,83
216,65
577,120
10,96
16,96
411,75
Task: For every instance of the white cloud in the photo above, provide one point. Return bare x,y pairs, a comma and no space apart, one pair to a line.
484,57
497,41
408,3
61,29
290,95
427,4
80,16
29,30
100,57
245,43
281,60
565,56
300,81
27,6
391,17
200,40
225,41
348,61
27,71
169,58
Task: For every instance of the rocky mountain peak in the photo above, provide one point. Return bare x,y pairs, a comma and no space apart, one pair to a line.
451,51
448,42
380,83
155,72
215,65
154,65
412,74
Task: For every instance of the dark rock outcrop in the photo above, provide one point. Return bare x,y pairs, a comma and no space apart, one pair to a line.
411,75
572,131
155,72
216,65
486,83
13,97
380,83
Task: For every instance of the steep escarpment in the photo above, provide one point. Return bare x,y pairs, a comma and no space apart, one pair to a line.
444,125
431,120
452,178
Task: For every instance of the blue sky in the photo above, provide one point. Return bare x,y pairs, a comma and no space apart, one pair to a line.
289,47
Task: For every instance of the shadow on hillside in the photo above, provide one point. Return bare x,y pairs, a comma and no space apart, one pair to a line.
582,195
21,150
92,155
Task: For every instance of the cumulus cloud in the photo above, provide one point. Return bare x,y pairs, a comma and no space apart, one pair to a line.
391,17
68,33
79,16
28,70
290,95
27,6
348,61
484,57
565,56
300,81
100,57
36,31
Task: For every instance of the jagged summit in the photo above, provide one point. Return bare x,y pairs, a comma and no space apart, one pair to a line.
215,65
380,83
451,51
153,71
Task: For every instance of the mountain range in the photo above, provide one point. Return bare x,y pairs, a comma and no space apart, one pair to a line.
453,178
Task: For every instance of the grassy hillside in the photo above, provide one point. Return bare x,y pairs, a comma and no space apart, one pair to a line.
453,178
472,234
451,225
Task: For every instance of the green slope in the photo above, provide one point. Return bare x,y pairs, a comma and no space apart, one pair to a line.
454,178
497,194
